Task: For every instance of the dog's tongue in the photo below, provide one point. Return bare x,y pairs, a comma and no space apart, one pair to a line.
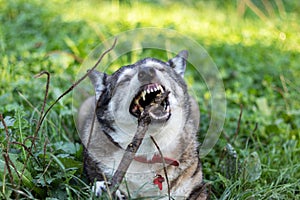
157,159
159,113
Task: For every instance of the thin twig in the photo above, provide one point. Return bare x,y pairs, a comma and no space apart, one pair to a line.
4,125
80,80
255,128
6,150
45,170
43,106
106,185
251,134
45,97
38,126
61,96
94,114
25,148
6,156
7,166
164,165
238,123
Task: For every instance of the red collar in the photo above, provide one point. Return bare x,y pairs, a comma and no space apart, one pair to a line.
158,179
157,159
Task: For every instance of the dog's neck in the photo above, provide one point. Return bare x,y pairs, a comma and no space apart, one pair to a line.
157,159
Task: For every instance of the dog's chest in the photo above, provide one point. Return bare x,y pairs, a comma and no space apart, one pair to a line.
140,178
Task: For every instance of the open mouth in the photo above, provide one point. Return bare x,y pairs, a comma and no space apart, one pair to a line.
145,97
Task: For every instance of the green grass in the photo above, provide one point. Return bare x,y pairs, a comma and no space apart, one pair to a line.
258,60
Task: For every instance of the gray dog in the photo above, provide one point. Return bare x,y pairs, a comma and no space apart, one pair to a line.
119,101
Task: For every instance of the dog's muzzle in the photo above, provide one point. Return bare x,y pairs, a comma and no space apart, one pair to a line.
146,96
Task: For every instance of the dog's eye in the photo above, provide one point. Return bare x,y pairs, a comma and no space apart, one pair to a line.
161,69
124,80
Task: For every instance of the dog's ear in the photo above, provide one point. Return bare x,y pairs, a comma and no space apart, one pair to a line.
179,62
98,80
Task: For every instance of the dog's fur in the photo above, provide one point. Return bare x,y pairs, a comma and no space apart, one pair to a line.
115,126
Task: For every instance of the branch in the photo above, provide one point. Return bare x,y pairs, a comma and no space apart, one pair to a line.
239,122
6,150
43,116
79,81
131,150
143,123
44,104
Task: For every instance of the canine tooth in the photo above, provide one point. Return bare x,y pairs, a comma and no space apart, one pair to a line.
148,90
144,95
151,89
168,109
157,86
155,89
161,88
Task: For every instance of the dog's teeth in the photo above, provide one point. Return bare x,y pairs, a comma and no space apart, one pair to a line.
153,116
144,95
168,109
151,89
148,91
155,89
165,116
161,88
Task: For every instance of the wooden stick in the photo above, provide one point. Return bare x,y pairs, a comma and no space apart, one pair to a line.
143,123
130,152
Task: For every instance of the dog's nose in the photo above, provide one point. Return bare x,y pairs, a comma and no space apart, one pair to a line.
146,74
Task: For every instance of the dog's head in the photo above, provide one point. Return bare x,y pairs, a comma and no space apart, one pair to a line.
123,96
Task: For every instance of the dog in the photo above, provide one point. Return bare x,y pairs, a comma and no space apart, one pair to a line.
108,121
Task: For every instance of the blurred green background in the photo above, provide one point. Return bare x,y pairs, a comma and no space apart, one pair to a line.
254,43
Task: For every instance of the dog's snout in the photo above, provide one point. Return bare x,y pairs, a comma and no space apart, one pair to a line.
146,74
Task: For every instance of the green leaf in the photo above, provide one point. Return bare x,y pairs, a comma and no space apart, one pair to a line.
9,121
252,167
17,171
67,147
272,129
263,106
